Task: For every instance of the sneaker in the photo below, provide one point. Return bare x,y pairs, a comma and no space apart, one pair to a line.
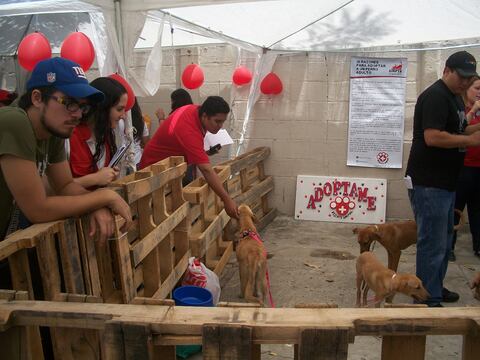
435,305
449,296
451,256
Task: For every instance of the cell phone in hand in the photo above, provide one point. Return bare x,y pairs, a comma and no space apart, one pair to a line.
119,154
214,149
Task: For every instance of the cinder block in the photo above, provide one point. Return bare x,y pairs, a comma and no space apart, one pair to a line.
339,91
292,149
399,209
337,130
263,110
317,111
317,70
337,111
283,195
215,72
167,75
290,111
396,189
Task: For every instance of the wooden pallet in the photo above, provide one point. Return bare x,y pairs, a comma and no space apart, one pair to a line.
207,221
249,184
152,257
236,333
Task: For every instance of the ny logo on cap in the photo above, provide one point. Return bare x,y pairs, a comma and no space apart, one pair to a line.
51,77
79,71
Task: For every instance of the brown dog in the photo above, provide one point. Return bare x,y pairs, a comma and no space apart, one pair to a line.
372,274
252,259
394,236
476,285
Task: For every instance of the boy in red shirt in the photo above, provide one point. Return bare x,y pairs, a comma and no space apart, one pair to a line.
182,133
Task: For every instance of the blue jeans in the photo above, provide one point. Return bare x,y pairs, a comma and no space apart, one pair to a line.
433,210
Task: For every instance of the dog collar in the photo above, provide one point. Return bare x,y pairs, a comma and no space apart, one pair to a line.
248,232
376,227
391,284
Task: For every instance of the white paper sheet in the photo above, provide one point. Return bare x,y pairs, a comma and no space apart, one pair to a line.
222,138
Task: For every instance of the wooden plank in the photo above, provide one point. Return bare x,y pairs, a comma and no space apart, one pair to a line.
167,261
471,346
70,257
89,259
256,191
172,279
26,238
232,342
136,341
214,230
137,189
125,267
48,264
403,347
113,346
248,159
323,344
267,219
20,272
150,265
224,259
142,248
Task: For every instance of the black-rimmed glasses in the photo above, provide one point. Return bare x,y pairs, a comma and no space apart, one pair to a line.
72,105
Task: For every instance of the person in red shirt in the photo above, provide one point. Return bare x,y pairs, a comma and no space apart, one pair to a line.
182,133
92,143
468,192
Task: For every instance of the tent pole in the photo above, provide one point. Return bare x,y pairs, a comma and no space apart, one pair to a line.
119,27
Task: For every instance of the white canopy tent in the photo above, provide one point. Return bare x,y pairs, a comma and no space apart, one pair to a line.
265,28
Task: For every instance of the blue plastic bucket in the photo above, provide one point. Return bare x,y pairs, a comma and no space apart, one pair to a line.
192,296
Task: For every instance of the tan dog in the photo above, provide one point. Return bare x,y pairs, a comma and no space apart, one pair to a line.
476,285
251,257
372,274
394,236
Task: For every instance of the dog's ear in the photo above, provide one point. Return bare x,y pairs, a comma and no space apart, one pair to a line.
355,230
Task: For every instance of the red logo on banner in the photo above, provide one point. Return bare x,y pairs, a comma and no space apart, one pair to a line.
343,206
382,157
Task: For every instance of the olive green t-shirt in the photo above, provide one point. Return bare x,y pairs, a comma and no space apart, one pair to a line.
18,138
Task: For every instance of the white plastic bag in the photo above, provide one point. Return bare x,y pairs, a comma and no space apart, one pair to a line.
198,274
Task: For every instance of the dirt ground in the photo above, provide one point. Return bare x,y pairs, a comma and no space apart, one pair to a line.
314,262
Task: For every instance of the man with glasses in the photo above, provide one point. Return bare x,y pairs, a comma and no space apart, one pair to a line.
436,158
32,145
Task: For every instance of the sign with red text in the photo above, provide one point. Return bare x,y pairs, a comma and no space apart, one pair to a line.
341,199
376,112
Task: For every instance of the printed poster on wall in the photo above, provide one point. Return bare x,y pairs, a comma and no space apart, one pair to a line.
376,112
341,199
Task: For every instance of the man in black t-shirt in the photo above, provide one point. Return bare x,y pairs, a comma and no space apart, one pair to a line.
440,135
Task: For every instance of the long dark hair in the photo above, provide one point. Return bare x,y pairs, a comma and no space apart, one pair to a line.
180,97
102,128
137,121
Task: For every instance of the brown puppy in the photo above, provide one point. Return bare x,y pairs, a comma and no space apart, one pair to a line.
394,236
252,259
372,274
476,285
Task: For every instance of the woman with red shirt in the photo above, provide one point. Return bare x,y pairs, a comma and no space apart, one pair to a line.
468,192
92,143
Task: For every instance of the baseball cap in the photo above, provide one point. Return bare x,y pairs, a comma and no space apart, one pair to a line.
66,76
464,63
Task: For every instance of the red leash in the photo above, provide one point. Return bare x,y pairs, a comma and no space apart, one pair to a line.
256,237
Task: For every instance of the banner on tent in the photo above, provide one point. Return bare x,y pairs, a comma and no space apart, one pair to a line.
376,112
341,199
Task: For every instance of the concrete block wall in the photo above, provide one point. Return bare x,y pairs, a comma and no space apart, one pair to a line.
306,126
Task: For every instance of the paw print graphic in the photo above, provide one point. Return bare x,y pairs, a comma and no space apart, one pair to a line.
342,206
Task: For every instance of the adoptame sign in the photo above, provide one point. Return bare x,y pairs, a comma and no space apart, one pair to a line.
341,199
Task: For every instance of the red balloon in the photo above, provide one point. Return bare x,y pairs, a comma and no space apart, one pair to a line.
126,85
33,48
78,48
241,76
192,76
271,84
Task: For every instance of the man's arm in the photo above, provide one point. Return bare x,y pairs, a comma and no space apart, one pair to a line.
443,139
215,183
28,191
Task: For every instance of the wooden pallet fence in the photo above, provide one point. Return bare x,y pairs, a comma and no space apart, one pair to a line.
151,258
250,185
236,333
207,221
45,263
